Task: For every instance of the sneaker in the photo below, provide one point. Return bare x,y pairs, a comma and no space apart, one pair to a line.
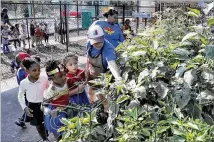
20,124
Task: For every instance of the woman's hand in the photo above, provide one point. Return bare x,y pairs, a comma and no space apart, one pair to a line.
28,112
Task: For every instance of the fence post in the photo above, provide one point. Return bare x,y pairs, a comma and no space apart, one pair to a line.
66,26
60,9
33,9
137,25
98,9
77,19
28,37
124,14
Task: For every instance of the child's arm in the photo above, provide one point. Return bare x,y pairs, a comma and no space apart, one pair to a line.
77,90
21,97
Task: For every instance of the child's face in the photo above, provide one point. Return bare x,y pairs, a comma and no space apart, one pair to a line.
34,71
72,65
59,77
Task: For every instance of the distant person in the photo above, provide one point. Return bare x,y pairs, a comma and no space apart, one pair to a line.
14,32
56,31
46,33
23,34
127,28
4,17
32,33
38,34
5,33
112,31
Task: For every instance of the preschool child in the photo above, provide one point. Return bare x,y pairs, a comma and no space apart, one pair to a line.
56,97
75,76
20,75
5,33
33,86
23,34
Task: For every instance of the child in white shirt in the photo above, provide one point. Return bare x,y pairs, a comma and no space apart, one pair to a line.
33,86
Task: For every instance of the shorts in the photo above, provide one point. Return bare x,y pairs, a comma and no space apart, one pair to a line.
38,117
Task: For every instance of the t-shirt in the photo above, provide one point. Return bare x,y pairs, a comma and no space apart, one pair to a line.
73,78
20,75
5,33
108,52
58,95
38,32
112,32
34,91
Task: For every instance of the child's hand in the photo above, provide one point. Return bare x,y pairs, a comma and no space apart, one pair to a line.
28,112
86,73
54,113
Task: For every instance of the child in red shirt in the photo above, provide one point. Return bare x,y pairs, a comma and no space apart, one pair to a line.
76,81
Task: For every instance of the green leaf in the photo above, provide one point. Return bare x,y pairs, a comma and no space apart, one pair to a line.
74,119
201,138
178,132
191,66
61,129
189,35
176,139
65,121
119,88
174,66
125,136
67,135
145,132
204,40
78,124
122,98
120,130
162,129
190,13
191,125
196,11
210,22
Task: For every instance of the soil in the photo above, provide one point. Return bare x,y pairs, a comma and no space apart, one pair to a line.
57,51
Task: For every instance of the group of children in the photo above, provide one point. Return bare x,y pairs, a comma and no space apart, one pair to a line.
38,33
16,35
64,84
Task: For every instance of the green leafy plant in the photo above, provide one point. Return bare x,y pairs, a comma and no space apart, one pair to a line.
167,93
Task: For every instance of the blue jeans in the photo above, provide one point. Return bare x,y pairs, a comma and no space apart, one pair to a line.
5,48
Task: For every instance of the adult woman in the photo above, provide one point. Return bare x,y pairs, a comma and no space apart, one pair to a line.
100,57
112,31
